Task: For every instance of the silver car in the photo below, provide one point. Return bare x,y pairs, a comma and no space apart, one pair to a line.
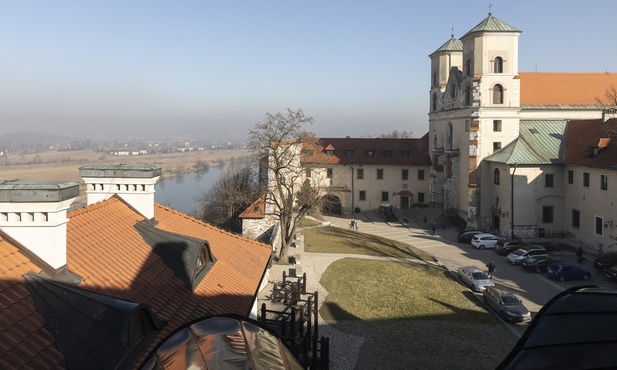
520,254
475,278
506,304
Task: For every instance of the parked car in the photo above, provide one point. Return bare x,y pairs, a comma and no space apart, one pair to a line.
611,272
483,240
528,251
604,261
466,235
537,264
505,246
566,271
475,278
506,304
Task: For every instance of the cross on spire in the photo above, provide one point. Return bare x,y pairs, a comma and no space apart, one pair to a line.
452,32
490,9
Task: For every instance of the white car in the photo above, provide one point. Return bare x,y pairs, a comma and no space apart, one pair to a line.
475,278
484,240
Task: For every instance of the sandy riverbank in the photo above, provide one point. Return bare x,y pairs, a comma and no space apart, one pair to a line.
64,166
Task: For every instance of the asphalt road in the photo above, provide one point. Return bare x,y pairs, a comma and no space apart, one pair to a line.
533,289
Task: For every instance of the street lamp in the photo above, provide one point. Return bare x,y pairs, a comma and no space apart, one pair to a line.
512,200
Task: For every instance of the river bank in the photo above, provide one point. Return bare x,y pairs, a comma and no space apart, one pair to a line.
64,166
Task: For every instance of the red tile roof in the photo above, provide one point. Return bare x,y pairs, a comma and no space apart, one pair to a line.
385,151
255,210
583,135
565,88
111,256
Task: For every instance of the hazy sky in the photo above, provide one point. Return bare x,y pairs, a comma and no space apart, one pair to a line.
359,68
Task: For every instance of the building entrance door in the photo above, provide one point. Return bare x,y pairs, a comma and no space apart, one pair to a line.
496,222
404,202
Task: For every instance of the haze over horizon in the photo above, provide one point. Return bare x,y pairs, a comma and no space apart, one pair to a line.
359,68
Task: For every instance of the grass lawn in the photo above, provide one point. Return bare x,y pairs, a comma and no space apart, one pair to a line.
411,316
332,239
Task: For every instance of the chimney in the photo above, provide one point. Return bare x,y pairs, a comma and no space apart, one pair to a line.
33,213
132,182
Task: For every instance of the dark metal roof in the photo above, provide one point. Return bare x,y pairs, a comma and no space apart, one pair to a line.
577,329
90,328
38,191
120,171
180,253
452,44
492,24
222,342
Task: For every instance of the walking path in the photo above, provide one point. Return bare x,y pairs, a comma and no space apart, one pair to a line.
344,348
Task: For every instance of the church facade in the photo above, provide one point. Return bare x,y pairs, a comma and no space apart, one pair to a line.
503,156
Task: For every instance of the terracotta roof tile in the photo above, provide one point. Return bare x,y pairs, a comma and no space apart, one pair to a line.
583,135
107,251
565,88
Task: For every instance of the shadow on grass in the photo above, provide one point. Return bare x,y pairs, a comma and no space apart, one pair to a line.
336,240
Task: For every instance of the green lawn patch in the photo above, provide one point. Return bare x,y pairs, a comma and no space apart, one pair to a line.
332,239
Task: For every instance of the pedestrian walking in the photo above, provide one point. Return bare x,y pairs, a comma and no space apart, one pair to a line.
352,224
434,229
579,255
425,220
491,269
356,224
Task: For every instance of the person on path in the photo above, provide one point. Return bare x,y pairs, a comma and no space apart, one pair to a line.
491,269
434,229
579,255
356,224
352,224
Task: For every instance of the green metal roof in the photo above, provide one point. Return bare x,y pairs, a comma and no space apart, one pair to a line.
451,45
539,142
492,24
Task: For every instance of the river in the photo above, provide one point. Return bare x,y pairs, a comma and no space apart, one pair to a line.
179,192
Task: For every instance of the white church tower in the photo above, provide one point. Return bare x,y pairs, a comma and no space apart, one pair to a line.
474,111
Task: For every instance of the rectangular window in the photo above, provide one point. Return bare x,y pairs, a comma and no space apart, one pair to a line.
308,173
497,125
598,225
586,179
496,146
603,182
421,175
547,214
384,196
570,177
329,173
362,195
576,218
548,180
379,174
405,174
405,153
421,197
360,174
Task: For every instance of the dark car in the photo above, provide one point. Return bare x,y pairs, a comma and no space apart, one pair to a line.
566,271
466,235
505,246
537,264
506,304
611,272
604,261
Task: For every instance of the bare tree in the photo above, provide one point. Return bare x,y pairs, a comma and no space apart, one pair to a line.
396,134
288,197
231,194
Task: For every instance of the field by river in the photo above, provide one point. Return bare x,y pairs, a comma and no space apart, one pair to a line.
64,166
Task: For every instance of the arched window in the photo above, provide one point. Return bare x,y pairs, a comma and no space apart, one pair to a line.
468,68
468,96
496,177
434,102
497,94
449,137
453,91
434,79
498,65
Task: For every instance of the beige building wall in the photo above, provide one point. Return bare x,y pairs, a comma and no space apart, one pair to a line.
597,208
